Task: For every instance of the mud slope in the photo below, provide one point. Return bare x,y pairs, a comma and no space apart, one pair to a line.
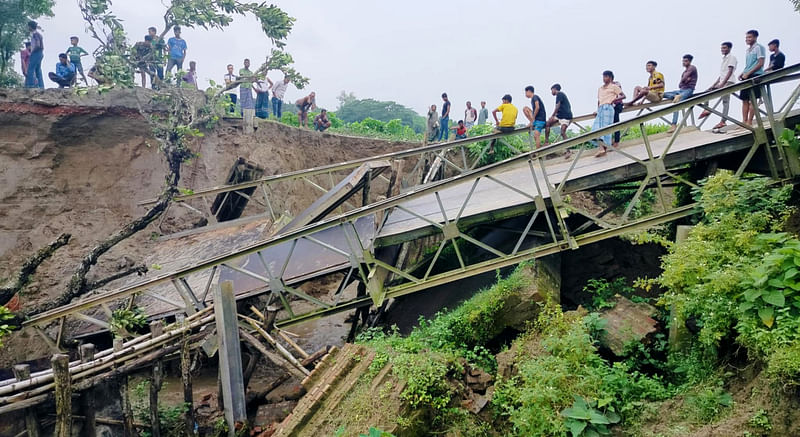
80,164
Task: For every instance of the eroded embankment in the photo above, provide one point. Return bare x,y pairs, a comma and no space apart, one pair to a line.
80,164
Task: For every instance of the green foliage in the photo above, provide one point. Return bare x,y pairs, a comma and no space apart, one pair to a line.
564,366
622,198
704,274
773,285
651,129
504,148
708,403
170,418
127,320
5,328
585,418
352,110
603,292
761,421
14,17
788,138
737,276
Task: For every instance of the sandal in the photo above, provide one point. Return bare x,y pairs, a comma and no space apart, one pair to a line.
704,114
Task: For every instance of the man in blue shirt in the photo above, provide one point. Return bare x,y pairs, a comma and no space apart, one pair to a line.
177,50
753,67
65,72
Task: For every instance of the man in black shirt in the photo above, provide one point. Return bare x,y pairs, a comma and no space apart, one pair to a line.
777,59
562,114
536,114
444,121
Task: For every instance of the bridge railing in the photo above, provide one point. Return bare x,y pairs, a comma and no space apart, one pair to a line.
535,194
410,168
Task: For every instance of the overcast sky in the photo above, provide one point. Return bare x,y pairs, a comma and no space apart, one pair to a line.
414,50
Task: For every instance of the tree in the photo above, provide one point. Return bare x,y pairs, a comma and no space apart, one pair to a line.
345,98
178,112
357,110
14,17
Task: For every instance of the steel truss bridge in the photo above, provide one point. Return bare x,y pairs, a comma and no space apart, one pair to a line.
440,194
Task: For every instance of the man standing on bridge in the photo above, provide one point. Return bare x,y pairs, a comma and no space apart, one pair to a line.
483,114
685,88
536,115
606,95
753,66
444,121
470,115
725,78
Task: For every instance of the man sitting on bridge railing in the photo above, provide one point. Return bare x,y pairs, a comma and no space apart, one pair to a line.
654,91
685,88
507,122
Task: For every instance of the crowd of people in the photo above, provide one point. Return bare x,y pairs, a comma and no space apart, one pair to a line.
149,57
611,98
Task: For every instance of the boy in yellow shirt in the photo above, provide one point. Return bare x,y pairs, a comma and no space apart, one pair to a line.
509,119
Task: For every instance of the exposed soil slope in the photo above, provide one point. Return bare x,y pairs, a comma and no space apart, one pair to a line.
80,164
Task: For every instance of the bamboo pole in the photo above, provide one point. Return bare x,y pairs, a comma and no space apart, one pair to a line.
60,364
23,372
127,410
186,380
156,330
87,398
85,369
275,344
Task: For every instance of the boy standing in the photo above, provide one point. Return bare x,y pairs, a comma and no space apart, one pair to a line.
470,115
229,78
754,66
433,124
278,92
177,50
158,51
444,121
536,115
606,95
483,115
261,87
777,59
562,114
725,78
246,96
74,52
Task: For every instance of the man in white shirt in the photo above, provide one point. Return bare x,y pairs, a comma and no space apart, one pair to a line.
726,77
470,115
278,91
229,78
261,87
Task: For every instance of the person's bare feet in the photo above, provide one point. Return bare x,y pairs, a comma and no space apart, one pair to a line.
602,152
671,129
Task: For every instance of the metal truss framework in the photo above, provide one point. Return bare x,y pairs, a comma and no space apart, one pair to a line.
450,208
425,164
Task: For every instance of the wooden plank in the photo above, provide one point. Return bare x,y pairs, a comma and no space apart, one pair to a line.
230,356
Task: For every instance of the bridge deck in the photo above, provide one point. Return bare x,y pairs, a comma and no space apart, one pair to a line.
490,198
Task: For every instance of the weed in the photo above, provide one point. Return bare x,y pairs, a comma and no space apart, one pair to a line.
760,421
585,418
707,404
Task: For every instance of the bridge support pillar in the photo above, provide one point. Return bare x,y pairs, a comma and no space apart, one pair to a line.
230,357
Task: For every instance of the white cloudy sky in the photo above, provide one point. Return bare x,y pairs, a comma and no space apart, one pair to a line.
412,51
